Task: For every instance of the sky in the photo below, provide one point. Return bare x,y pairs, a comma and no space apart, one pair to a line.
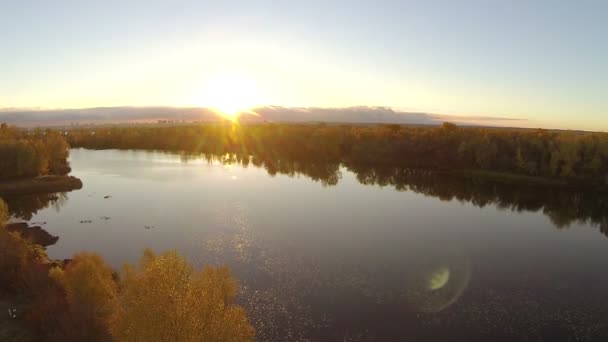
542,61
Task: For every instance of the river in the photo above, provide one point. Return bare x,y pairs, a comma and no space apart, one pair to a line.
347,253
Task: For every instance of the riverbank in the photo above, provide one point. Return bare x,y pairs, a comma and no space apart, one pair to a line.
42,184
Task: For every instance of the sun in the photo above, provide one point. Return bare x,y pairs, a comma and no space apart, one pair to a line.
229,95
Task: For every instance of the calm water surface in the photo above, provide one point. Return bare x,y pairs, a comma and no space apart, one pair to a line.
421,258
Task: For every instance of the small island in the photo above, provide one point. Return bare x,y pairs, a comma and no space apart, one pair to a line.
34,161
41,184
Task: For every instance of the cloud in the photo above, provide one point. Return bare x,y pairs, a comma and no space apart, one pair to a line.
475,118
345,115
50,117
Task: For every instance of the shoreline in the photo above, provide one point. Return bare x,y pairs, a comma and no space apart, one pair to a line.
41,184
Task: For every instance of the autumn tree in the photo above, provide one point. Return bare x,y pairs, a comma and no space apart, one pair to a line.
3,213
165,299
91,295
29,154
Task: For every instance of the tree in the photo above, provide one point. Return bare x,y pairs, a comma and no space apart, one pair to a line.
30,154
92,298
3,213
164,299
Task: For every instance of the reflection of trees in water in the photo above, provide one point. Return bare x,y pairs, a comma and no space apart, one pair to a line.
564,206
26,206
327,173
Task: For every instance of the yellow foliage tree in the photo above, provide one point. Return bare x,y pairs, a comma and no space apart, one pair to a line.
92,298
3,213
164,299
17,256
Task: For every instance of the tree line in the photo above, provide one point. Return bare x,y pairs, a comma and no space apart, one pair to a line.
571,156
32,153
163,298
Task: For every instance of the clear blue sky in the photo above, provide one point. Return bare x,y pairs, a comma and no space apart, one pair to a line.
543,61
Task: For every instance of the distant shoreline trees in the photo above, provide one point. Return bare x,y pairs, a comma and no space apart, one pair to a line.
576,157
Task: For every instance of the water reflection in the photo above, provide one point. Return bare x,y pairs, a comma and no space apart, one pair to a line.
327,173
26,206
564,206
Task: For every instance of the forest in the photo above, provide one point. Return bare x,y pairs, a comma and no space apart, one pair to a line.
163,298
573,157
32,153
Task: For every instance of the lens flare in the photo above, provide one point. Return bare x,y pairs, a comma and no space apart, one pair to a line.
438,278
229,95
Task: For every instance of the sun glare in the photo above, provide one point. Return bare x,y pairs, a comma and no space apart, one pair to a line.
230,95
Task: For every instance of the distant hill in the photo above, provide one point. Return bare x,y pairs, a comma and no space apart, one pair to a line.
107,115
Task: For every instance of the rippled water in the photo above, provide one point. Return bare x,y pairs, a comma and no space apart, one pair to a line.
423,257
